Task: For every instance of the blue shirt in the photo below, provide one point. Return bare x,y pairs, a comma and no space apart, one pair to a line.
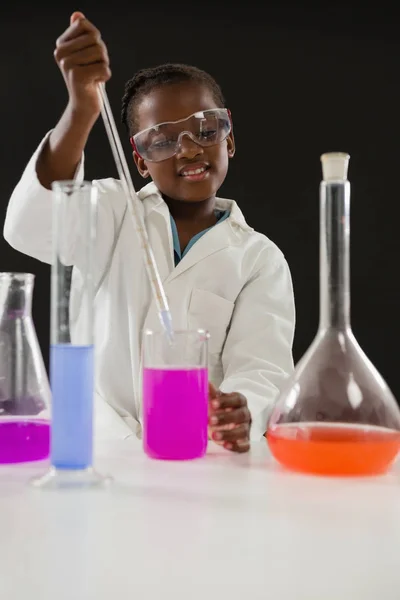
178,254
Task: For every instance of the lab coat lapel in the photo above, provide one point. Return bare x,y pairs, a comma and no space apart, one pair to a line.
158,229
219,237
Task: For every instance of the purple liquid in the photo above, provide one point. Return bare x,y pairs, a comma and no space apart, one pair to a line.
24,441
175,413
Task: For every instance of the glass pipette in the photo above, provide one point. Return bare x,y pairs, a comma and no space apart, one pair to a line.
133,207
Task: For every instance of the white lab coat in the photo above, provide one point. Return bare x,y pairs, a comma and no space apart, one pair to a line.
234,282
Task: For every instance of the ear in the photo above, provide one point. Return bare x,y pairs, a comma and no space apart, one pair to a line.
140,165
230,141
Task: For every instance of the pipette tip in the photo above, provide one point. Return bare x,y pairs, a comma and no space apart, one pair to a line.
166,321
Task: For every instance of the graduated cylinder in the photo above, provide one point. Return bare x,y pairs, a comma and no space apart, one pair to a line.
72,344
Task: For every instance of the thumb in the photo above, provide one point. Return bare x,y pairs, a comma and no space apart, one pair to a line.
212,391
76,16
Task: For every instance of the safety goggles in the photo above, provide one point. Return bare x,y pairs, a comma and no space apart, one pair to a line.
206,128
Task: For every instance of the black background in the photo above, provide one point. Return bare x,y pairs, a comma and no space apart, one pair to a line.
300,80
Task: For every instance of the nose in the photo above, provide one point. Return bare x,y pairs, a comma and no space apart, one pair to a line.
187,147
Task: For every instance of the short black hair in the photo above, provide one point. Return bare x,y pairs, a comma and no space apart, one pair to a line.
145,80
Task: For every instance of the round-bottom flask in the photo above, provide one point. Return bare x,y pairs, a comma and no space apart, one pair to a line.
336,415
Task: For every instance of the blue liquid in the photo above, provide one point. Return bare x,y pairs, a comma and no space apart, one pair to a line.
72,385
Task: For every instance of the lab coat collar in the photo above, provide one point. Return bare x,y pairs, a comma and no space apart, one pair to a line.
152,200
228,233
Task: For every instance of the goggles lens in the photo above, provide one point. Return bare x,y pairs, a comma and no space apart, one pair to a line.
162,141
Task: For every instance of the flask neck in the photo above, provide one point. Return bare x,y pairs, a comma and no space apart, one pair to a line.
335,255
16,291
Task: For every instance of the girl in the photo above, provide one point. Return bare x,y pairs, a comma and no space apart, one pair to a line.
218,273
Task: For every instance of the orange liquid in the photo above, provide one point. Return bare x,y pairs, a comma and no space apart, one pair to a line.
332,449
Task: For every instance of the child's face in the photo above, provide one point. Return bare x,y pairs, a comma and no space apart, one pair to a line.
174,102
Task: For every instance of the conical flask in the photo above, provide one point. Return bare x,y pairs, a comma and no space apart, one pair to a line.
336,415
24,386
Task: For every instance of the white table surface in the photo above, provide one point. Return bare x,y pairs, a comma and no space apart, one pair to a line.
226,527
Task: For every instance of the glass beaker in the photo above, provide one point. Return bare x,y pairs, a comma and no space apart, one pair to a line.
24,386
175,395
336,415
72,353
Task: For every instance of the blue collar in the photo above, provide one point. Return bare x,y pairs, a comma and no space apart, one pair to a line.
178,254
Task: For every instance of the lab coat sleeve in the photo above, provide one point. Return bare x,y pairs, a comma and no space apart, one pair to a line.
28,224
257,356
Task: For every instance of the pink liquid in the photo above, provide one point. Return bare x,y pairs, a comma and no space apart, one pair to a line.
175,413
24,441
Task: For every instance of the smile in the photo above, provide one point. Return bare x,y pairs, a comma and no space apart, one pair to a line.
195,173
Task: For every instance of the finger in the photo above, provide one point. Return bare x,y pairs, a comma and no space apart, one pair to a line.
77,28
239,446
89,56
236,416
232,435
92,73
86,40
75,16
225,401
